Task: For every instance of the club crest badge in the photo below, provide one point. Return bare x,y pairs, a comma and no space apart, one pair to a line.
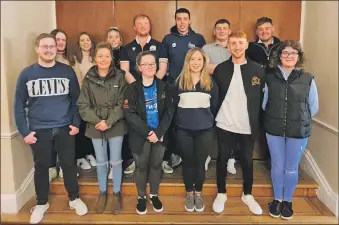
190,45
174,45
153,48
133,48
255,81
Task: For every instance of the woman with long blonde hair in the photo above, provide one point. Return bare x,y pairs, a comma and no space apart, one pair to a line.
196,98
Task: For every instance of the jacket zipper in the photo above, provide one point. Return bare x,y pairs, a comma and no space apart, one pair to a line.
266,52
285,114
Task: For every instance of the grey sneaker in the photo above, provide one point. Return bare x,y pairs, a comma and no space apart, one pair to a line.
166,168
175,160
199,204
130,169
189,202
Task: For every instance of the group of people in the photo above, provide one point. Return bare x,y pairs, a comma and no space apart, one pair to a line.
154,105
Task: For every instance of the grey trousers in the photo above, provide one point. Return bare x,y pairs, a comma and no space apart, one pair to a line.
148,167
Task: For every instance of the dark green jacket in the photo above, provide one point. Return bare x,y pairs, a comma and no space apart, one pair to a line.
101,98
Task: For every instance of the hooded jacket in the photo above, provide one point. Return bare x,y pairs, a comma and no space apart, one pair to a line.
177,46
101,98
259,53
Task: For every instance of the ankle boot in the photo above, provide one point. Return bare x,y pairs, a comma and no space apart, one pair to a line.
117,203
101,202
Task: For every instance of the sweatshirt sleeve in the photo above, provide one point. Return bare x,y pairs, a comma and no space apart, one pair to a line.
313,98
214,98
20,101
74,95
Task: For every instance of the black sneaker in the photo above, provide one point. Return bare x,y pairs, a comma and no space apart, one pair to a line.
157,205
141,206
286,210
274,208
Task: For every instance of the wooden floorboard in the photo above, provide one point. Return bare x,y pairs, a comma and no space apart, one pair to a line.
307,211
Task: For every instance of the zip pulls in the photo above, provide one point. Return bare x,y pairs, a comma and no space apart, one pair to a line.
266,52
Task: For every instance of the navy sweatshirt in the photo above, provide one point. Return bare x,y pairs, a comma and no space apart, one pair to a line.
177,46
49,95
196,109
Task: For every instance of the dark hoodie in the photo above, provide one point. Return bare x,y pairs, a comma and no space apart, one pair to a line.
259,53
177,46
101,98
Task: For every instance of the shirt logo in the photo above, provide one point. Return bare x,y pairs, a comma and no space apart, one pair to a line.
174,45
255,81
190,45
125,105
153,48
48,87
133,48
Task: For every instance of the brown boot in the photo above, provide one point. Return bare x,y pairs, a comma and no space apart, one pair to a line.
101,202
117,203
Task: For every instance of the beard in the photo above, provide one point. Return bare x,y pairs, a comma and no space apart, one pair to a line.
238,55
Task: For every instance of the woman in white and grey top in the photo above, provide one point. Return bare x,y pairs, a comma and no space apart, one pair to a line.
217,53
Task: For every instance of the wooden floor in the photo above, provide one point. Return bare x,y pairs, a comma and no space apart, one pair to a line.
307,208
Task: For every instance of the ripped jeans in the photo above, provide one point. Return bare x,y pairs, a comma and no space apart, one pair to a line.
100,148
286,154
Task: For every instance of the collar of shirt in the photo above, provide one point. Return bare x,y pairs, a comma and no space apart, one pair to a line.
148,39
263,42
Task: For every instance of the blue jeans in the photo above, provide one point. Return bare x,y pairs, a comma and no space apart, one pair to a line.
286,154
100,148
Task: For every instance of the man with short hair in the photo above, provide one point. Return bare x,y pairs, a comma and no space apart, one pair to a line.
143,42
49,91
217,53
262,49
237,120
181,39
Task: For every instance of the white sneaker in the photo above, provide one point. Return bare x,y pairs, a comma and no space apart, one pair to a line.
110,174
166,168
83,164
38,213
79,206
208,160
52,172
130,169
91,160
230,166
253,206
219,203
61,174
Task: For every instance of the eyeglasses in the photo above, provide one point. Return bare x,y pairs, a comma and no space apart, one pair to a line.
149,65
286,54
46,47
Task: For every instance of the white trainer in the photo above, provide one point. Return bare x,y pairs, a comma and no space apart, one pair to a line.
61,174
110,174
79,206
253,206
38,213
91,160
230,166
83,164
52,172
166,168
219,203
208,160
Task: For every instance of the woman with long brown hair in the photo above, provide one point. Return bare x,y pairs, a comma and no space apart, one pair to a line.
196,98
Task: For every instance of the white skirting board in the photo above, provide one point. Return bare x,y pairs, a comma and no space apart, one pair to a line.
325,193
12,203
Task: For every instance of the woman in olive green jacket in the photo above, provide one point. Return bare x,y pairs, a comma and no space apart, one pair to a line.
100,105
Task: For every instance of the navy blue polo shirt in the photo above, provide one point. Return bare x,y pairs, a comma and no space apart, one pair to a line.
130,51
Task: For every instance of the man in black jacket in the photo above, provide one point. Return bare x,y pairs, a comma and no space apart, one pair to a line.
237,120
260,51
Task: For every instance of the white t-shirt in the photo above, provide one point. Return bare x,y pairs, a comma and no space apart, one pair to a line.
233,114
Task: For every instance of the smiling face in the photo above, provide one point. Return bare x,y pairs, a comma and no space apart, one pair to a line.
289,57
183,22
265,32
196,62
142,26
61,42
103,58
148,66
114,39
237,46
85,42
46,50
221,31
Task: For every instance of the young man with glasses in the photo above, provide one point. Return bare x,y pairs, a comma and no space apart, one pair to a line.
49,91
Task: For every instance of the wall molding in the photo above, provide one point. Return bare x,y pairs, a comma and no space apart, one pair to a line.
325,126
325,193
12,203
10,135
